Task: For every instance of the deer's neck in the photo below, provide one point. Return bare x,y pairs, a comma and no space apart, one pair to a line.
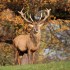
35,38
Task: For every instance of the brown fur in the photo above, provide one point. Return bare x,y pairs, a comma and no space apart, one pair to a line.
29,43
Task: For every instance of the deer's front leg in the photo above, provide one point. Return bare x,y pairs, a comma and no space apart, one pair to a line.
17,58
29,57
33,57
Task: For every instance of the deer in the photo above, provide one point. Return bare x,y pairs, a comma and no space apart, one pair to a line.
30,42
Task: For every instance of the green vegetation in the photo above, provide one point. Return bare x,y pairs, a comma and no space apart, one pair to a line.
63,65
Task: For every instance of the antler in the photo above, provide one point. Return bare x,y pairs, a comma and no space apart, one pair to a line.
40,21
46,16
24,16
31,18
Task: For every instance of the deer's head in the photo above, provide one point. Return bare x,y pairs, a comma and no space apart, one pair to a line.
35,25
35,28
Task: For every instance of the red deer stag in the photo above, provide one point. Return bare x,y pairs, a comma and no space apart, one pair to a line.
31,41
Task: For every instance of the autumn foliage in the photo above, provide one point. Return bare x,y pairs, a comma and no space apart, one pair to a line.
55,32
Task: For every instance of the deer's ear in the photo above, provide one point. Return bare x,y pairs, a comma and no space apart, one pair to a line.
30,25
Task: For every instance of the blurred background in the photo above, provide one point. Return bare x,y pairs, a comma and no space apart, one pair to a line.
55,42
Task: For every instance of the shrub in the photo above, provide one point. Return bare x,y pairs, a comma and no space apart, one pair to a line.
6,54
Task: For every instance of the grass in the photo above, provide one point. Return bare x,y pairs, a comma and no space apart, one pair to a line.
63,65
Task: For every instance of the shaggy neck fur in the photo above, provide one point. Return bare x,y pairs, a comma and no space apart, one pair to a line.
35,37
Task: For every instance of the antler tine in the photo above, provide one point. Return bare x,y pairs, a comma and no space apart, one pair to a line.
41,16
46,16
31,18
22,9
21,12
23,15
